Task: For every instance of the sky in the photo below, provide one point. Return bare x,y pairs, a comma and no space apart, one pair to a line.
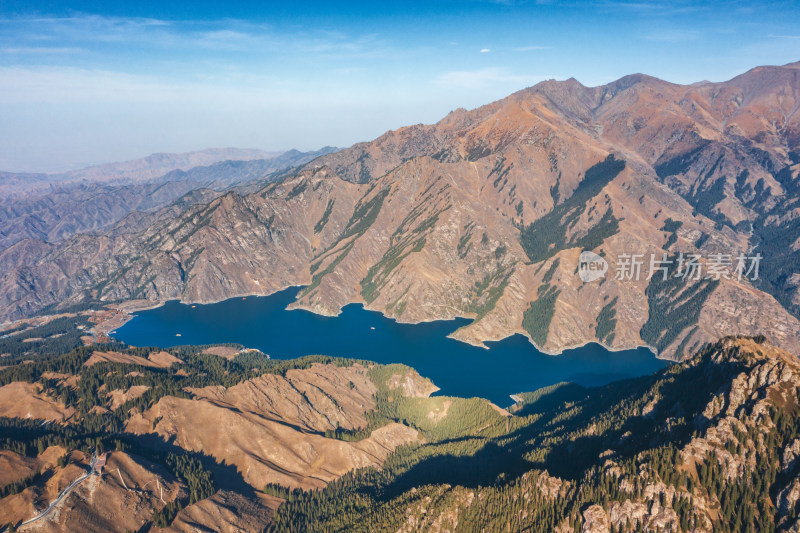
88,82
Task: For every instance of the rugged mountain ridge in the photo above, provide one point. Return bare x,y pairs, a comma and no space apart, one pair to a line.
484,215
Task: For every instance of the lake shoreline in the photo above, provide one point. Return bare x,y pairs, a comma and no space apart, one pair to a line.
493,371
557,353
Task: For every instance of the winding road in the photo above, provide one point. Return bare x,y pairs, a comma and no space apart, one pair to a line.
61,496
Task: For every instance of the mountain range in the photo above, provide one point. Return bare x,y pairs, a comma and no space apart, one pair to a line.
91,204
484,215
125,172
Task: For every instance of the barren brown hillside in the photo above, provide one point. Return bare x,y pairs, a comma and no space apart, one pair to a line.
273,426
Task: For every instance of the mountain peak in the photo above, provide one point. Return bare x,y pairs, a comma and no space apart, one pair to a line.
630,80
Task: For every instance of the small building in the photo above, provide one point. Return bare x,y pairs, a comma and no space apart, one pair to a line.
100,463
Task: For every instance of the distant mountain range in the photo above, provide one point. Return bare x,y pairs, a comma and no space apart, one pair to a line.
97,200
126,172
485,215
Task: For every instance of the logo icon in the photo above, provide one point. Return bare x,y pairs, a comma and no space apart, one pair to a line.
591,266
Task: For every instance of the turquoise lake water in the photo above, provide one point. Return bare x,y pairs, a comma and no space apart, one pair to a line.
509,366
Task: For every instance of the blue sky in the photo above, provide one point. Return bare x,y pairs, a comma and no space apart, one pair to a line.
94,81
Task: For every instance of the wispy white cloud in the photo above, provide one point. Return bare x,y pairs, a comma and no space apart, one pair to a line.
482,78
61,116
485,50
646,7
69,85
83,28
227,35
531,48
346,71
31,50
673,35
675,7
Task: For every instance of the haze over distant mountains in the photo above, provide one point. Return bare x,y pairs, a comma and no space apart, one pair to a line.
56,206
485,213
127,172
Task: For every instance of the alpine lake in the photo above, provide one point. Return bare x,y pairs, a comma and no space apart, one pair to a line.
505,367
